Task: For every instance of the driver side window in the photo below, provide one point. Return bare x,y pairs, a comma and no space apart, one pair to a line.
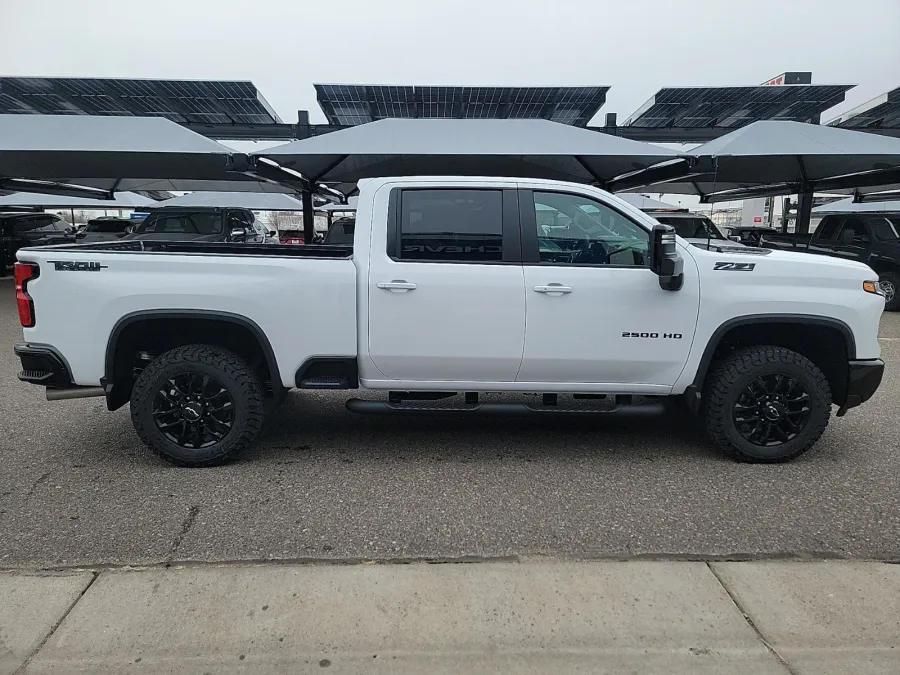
577,230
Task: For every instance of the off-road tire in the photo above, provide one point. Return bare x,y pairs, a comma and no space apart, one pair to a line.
232,372
730,376
891,304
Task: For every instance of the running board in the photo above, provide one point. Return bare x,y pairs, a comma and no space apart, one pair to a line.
365,407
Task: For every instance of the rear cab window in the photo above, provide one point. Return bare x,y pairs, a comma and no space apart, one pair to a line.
449,225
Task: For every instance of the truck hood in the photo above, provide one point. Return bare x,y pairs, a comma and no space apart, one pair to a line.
798,260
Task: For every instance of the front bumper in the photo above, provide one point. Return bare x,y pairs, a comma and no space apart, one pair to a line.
862,382
43,365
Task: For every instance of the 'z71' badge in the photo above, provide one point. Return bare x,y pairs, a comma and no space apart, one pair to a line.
79,266
734,267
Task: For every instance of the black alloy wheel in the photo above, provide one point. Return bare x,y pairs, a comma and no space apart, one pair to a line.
771,410
198,405
193,410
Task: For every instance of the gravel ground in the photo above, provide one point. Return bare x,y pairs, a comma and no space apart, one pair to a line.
77,488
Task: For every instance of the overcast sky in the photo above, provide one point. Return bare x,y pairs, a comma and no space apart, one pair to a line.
283,46
634,46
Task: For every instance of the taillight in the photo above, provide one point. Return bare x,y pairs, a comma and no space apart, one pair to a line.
25,272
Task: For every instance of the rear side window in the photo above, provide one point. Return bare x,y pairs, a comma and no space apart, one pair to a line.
451,226
885,229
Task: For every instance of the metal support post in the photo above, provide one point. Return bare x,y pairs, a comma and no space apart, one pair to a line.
309,223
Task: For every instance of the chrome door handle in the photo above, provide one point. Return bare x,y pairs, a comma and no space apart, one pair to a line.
397,286
553,289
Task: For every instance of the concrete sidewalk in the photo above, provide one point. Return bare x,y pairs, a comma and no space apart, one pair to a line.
530,617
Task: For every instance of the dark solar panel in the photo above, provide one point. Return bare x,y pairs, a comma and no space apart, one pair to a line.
882,112
732,107
346,104
182,101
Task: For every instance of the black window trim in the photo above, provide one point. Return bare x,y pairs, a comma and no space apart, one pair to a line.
510,226
528,217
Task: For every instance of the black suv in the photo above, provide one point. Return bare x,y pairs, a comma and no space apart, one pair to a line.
105,229
172,223
18,230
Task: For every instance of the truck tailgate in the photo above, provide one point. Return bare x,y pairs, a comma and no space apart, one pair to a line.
304,306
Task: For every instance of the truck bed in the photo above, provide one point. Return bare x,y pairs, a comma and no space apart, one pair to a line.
303,298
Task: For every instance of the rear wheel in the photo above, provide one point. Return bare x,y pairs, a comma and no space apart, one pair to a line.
890,284
198,405
766,404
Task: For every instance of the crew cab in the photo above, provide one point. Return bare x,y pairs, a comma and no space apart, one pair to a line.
453,288
870,238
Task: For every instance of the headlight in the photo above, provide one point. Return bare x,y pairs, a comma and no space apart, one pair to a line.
873,287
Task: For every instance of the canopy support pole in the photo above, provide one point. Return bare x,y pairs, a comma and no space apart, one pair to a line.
309,225
804,211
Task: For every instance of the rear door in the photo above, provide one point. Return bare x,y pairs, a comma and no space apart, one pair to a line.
445,286
594,310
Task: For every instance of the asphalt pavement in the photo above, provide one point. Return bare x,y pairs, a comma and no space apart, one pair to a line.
78,489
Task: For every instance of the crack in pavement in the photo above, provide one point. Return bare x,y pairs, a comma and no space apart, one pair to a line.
186,526
34,486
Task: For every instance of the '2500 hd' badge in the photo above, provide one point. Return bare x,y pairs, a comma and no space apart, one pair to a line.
76,266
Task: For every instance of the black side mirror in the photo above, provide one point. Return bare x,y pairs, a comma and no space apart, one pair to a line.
273,233
238,234
665,261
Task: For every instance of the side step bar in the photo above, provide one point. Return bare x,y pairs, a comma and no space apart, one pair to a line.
365,407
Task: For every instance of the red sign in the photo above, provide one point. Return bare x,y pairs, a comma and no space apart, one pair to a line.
757,219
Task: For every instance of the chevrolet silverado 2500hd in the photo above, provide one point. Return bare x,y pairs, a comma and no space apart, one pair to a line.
454,287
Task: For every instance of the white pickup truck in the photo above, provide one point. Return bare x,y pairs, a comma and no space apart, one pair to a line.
453,288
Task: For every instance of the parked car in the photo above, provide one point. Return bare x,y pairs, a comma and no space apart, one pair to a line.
213,224
748,235
18,230
870,238
291,237
104,229
341,232
695,227
453,287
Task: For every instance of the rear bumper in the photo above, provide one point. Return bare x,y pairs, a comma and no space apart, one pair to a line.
43,365
862,382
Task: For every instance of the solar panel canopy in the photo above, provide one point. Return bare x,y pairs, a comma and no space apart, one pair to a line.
732,107
352,104
882,112
182,101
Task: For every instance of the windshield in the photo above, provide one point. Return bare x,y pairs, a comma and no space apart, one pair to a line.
181,223
692,228
886,229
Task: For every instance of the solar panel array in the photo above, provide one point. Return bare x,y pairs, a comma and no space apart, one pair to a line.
882,112
732,107
348,104
182,101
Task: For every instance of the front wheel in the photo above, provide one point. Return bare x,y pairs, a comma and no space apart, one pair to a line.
198,405
890,284
766,404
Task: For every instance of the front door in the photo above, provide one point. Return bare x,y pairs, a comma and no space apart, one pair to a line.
594,311
446,293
